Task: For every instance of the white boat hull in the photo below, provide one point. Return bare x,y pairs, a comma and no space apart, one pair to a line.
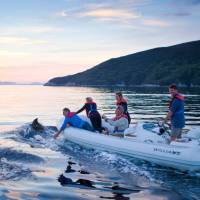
180,156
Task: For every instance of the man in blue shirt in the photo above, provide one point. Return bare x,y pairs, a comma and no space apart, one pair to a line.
71,119
176,113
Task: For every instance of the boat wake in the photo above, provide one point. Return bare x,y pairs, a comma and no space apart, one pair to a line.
42,137
13,171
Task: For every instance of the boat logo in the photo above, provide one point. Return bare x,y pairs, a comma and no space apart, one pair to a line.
167,151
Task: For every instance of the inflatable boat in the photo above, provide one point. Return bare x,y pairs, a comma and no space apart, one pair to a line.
143,141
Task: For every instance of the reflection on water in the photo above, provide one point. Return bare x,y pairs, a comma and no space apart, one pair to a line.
102,188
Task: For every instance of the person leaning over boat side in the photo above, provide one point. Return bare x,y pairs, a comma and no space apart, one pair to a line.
176,113
71,119
91,111
119,122
123,102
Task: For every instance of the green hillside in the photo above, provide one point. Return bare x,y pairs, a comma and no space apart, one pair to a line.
160,66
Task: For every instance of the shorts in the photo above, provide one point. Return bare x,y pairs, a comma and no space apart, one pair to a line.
176,132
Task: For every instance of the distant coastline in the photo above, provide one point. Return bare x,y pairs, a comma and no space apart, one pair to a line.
118,85
16,83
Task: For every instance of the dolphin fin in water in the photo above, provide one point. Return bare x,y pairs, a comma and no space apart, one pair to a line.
37,126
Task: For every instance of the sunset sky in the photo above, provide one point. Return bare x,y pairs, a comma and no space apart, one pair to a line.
41,39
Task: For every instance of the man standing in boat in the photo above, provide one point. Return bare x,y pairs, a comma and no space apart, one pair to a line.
176,112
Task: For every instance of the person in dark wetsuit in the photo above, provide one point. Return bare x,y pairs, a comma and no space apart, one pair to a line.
91,110
123,102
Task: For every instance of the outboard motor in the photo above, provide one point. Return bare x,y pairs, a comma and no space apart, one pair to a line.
161,131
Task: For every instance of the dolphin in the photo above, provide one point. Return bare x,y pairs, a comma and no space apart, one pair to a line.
37,126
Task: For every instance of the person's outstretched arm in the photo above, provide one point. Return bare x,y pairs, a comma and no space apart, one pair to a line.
81,110
64,125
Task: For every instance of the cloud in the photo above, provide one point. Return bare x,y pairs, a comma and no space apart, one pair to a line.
93,6
113,10
185,3
191,2
62,13
118,4
10,40
179,14
40,29
155,22
110,14
13,53
29,29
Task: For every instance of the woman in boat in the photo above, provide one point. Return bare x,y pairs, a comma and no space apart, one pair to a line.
119,122
123,102
91,111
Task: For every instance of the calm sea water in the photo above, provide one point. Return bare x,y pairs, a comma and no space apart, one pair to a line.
32,168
